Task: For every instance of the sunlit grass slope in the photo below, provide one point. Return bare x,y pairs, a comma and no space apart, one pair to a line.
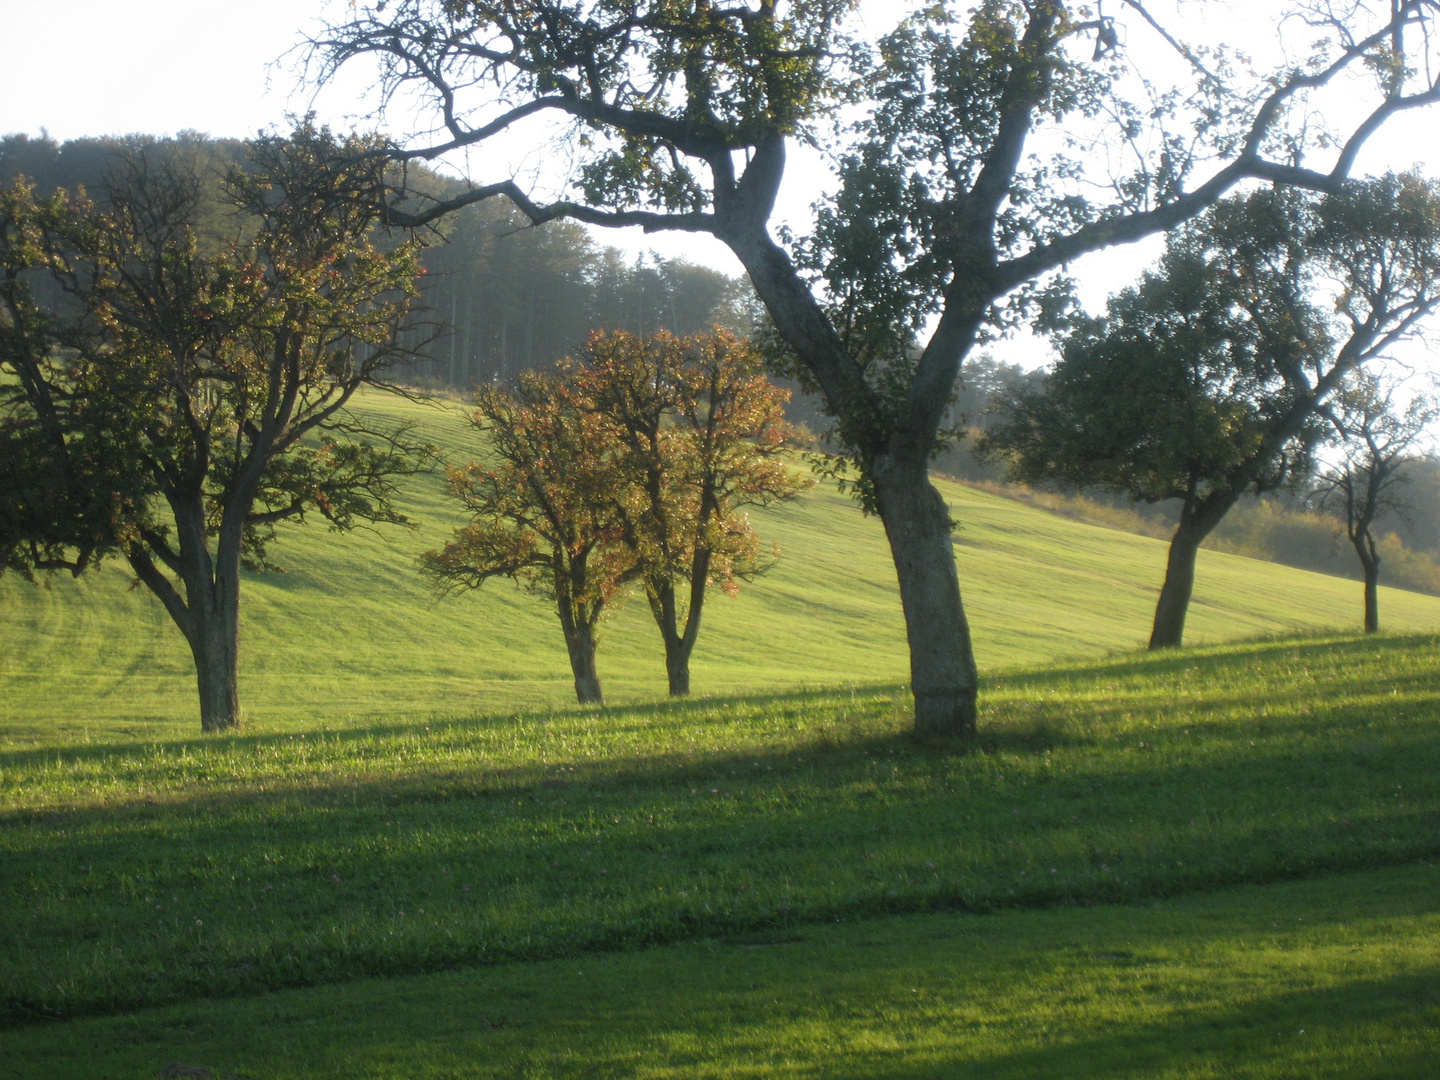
351,632
142,874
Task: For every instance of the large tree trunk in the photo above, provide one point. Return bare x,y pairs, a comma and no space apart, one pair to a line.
214,645
208,614
943,677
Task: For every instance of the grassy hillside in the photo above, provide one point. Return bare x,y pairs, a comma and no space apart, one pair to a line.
351,633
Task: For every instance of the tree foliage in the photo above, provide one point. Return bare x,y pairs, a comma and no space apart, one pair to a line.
703,437
65,497
213,373
543,512
1379,436
632,465
1206,379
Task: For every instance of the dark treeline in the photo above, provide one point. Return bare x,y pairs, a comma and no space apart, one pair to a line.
505,296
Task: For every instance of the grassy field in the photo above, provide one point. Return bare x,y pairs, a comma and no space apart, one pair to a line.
144,874
1334,979
418,861
350,634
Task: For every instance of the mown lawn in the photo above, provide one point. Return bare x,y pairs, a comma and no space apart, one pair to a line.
145,874
1331,978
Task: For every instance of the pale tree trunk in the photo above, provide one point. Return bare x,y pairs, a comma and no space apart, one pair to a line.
581,644
943,677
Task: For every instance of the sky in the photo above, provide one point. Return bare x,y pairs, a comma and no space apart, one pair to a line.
74,68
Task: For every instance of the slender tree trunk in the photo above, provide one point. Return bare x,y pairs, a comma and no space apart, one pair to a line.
679,646
581,643
1370,563
943,677
1174,605
1198,519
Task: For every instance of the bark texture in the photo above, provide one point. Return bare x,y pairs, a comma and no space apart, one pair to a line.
1370,562
581,643
943,677
1169,626
1198,519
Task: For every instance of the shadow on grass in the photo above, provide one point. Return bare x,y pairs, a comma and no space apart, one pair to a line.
302,870
1237,655
1211,985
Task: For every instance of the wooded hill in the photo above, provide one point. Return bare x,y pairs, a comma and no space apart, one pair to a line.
504,297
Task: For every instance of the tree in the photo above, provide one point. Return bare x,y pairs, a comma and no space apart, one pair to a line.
702,436
1368,482
544,513
964,189
215,374
1205,380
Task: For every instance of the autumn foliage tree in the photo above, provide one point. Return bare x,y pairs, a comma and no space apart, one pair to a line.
544,513
703,437
211,375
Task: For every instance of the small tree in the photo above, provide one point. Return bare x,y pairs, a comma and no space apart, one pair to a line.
1368,481
544,513
214,375
1204,381
704,436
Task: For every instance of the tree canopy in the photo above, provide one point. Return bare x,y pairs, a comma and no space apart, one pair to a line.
702,437
1207,378
204,378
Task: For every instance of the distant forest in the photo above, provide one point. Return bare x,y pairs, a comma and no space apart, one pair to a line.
505,297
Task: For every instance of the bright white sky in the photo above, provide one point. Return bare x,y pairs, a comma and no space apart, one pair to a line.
96,67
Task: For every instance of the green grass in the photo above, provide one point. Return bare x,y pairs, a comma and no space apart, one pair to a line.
352,635
143,874
1331,979
418,860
